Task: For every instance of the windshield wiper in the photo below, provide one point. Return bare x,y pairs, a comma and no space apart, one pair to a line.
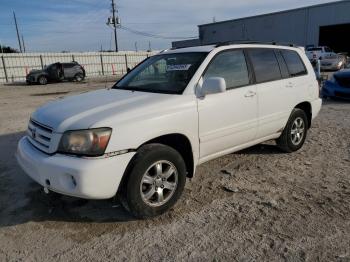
147,90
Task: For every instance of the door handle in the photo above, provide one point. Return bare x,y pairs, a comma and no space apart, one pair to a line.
289,85
250,94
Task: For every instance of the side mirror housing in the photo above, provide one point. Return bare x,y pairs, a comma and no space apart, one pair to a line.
213,85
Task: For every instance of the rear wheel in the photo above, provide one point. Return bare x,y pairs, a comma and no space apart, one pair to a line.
294,134
42,80
79,77
155,182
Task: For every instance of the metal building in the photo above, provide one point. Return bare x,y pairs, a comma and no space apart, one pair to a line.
325,24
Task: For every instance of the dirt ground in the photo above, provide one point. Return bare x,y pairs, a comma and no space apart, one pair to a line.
255,205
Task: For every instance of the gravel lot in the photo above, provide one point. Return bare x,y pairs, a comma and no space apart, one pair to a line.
255,205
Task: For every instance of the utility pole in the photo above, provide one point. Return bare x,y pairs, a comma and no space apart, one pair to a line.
114,21
19,40
24,47
136,47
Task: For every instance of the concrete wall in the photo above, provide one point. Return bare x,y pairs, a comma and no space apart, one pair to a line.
14,67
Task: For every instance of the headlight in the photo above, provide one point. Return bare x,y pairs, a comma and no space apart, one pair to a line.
90,142
333,80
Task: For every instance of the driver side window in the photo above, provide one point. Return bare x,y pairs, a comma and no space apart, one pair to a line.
230,65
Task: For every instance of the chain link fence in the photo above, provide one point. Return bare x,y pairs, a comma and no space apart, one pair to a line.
15,67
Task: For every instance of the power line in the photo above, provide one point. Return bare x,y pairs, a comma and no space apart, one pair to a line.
154,35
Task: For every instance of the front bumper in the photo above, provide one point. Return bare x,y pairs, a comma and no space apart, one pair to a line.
330,67
30,79
333,90
90,178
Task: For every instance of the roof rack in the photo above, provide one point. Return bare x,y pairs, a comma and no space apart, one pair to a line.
244,42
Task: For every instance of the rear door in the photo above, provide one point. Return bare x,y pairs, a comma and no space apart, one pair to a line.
228,119
299,82
275,93
69,70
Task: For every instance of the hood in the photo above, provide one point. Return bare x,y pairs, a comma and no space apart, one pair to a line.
36,71
84,110
345,73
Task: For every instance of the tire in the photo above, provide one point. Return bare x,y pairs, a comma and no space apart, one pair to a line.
294,133
78,77
42,80
146,182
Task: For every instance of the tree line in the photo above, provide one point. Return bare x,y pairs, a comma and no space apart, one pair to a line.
7,49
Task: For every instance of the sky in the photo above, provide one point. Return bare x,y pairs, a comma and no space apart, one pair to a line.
80,25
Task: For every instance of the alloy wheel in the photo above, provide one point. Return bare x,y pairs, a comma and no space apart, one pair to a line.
159,183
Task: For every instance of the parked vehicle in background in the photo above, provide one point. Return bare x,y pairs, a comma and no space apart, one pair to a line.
333,63
142,138
338,86
320,52
57,72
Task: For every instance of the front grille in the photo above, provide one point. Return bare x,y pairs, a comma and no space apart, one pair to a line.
39,135
342,94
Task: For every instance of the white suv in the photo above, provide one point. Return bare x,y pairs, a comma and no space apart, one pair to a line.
141,138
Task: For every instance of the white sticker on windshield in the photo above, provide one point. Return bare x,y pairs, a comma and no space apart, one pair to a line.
184,67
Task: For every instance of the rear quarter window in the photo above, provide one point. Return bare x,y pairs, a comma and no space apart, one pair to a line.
265,64
294,63
282,64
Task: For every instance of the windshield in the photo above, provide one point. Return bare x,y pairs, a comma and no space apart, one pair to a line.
314,49
166,73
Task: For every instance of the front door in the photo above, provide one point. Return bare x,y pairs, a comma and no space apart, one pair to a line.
228,119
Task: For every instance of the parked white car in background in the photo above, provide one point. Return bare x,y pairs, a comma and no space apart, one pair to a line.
178,109
334,63
320,52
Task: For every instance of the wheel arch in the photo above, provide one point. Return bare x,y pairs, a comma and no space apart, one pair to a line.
180,143
306,107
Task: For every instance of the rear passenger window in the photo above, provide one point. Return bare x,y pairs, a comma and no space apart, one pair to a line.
265,65
295,65
69,65
230,65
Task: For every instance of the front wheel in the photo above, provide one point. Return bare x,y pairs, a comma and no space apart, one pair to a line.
294,134
42,80
155,182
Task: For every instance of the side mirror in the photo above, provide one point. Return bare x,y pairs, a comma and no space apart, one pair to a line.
213,85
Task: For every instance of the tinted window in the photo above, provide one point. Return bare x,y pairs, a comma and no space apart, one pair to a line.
282,64
230,65
265,65
327,49
295,65
315,49
69,65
